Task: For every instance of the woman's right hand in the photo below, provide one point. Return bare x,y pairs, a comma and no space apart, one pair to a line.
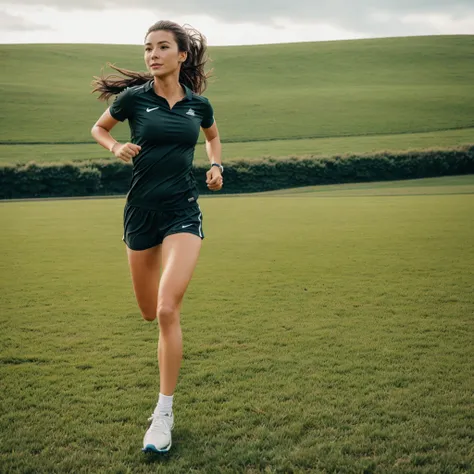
126,151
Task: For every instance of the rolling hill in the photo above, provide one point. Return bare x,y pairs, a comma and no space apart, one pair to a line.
272,92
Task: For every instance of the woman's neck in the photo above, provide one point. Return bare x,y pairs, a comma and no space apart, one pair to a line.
168,87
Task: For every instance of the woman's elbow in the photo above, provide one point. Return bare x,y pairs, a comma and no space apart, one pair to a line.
95,130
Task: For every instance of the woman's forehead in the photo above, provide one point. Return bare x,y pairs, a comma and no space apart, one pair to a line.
160,36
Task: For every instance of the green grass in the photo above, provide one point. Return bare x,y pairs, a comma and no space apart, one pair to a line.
322,334
253,150
288,91
426,186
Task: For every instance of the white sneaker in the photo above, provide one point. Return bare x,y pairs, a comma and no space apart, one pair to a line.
158,437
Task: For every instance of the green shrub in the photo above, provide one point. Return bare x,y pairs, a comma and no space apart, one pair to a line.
107,177
48,180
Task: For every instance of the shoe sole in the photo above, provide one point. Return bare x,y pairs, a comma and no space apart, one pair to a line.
150,448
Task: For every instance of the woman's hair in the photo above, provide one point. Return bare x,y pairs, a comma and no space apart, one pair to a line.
191,74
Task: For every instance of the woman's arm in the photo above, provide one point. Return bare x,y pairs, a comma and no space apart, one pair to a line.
214,152
101,133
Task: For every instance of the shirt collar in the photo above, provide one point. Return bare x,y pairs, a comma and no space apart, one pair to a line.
189,93
148,85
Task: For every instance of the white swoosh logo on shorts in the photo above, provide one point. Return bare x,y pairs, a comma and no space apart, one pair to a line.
184,226
152,109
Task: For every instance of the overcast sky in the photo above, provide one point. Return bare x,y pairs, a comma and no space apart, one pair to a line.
231,22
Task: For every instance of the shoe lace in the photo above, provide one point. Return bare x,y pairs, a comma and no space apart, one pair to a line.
158,422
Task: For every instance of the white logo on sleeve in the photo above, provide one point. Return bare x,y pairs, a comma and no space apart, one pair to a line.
185,226
191,112
148,109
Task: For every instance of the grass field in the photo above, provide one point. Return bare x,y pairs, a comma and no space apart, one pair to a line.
324,332
409,187
253,150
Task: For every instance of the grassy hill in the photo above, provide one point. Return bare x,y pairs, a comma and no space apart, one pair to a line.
273,92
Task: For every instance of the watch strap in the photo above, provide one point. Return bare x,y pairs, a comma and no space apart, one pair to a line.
219,166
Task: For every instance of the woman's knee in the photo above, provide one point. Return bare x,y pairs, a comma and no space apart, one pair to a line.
148,315
168,314
148,310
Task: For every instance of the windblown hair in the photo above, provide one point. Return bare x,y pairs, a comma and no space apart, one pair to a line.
191,74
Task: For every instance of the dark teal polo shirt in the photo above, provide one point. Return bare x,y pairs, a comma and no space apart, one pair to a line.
162,176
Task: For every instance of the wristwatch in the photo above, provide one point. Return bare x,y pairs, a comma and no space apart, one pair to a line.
219,166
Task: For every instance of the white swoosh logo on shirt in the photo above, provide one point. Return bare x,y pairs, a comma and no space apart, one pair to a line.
184,226
151,110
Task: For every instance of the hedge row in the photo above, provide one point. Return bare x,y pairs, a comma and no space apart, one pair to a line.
108,177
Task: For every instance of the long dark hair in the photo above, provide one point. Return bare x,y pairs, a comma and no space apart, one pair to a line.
191,74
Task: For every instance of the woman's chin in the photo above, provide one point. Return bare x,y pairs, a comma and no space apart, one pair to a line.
160,73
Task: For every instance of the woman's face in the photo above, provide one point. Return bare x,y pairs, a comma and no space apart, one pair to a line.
162,56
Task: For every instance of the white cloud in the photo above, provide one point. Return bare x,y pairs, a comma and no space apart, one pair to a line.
129,27
17,22
36,23
80,26
441,24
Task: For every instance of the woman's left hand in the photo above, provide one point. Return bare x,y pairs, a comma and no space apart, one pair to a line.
214,179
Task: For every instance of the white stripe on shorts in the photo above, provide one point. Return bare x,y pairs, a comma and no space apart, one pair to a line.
200,222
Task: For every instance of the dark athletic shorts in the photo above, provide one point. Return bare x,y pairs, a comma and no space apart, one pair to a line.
144,228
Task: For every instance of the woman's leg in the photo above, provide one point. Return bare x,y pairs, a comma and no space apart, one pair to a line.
145,270
163,297
180,254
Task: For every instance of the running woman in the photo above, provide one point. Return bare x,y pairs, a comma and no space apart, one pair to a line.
162,219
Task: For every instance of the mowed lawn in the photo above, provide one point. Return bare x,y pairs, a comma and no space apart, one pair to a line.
322,334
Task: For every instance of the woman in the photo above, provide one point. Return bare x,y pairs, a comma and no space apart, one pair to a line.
162,219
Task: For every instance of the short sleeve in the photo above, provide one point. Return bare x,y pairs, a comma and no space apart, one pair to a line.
121,109
208,117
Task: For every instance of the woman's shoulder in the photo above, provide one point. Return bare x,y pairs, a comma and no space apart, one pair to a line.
136,90
190,94
200,98
127,97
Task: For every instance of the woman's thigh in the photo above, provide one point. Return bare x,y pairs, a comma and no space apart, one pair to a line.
145,270
180,253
